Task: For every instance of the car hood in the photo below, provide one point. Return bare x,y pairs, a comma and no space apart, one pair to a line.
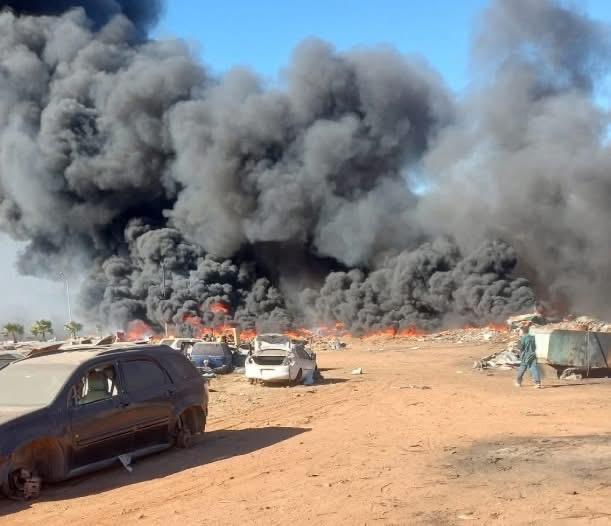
8,414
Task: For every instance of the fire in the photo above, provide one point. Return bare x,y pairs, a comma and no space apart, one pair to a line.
299,334
219,308
498,327
138,330
248,334
408,332
200,330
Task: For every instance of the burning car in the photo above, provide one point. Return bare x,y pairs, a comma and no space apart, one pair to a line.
277,358
63,414
212,356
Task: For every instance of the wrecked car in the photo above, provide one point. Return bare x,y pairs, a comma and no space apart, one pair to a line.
63,414
276,358
212,356
240,353
184,345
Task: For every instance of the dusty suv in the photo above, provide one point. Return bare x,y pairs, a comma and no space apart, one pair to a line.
68,413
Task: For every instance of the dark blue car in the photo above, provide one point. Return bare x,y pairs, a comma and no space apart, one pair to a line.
215,356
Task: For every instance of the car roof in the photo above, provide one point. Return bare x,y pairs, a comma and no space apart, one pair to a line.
81,354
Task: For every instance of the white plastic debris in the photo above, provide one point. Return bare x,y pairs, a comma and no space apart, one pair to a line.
358,370
126,460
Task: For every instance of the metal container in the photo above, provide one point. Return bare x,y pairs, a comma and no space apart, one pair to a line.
582,351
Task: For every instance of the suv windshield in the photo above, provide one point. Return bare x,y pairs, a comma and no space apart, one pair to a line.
31,384
207,349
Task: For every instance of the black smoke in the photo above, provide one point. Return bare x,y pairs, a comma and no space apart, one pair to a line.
142,13
174,191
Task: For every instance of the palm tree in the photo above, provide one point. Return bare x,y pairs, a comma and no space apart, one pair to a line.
14,330
73,328
42,328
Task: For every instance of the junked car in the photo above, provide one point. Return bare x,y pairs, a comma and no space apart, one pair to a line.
277,358
184,345
212,356
64,414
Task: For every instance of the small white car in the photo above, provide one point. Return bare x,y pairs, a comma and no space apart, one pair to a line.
184,345
276,358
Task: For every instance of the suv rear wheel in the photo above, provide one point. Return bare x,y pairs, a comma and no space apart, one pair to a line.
184,434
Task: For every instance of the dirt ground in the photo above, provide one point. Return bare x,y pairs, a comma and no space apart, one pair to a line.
418,438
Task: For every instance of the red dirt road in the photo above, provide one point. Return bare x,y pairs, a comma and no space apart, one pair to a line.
370,449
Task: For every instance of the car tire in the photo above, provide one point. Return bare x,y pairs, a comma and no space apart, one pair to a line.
184,437
14,487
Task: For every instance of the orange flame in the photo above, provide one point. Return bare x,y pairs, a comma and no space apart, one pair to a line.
138,330
219,308
498,327
248,334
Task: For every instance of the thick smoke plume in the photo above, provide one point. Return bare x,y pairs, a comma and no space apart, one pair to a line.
142,13
194,199
528,158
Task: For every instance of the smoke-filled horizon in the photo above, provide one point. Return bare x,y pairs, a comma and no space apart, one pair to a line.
179,191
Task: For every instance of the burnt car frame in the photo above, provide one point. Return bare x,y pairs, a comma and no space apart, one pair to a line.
102,404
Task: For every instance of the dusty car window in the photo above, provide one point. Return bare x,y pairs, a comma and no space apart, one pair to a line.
98,384
207,349
28,383
180,368
142,374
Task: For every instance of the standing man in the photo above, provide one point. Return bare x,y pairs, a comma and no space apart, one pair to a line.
528,358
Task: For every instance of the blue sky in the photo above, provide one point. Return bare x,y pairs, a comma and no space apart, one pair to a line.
262,34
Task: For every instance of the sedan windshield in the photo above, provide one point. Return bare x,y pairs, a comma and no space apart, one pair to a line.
30,384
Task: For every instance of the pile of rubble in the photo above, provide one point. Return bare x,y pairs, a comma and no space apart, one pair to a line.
569,323
506,359
471,335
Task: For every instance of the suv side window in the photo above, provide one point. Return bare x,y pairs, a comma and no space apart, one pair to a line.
180,368
142,374
99,383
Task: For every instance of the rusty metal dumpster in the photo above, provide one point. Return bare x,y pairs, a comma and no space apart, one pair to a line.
567,351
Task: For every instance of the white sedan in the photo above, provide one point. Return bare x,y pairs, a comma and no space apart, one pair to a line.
280,363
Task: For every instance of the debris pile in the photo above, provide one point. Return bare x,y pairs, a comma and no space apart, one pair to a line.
327,343
491,334
582,323
505,359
